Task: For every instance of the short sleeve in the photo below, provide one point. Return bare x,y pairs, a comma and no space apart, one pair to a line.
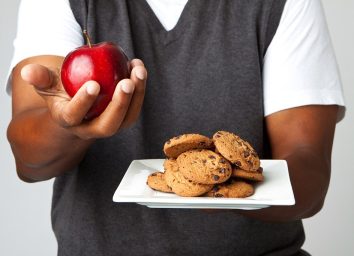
300,66
45,27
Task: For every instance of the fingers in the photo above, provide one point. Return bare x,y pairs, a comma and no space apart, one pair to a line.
135,62
138,76
109,122
39,76
119,105
123,109
75,110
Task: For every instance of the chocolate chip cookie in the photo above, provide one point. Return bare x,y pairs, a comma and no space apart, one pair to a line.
170,164
177,145
204,166
182,186
232,189
236,150
253,176
157,182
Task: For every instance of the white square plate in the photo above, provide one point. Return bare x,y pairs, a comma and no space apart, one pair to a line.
274,190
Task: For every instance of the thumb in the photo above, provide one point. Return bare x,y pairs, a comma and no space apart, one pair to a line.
39,76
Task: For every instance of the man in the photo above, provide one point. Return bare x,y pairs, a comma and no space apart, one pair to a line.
262,69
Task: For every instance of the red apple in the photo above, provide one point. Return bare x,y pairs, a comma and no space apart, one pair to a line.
105,63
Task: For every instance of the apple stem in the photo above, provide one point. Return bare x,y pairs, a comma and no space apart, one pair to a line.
87,38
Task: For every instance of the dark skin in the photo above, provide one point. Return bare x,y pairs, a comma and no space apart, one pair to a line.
302,136
37,117
48,136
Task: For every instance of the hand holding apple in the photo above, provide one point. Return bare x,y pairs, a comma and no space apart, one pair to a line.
69,113
105,63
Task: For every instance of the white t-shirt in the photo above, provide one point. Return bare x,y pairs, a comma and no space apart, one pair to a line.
300,67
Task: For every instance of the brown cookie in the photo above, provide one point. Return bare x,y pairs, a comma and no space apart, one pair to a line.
157,182
182,186
234,189
247,175
236,150
170,164
204,166
177,145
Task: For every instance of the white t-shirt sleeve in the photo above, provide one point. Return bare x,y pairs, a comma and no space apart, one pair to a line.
45,27
300,67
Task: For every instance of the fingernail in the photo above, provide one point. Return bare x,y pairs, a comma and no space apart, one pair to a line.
127,87
25,72
140,74
92,89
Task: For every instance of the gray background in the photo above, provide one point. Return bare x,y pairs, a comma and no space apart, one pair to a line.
25,227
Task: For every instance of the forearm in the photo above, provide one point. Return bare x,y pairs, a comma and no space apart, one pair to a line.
42,149
303,136
310,176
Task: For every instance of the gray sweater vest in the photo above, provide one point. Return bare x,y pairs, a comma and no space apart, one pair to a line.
205,75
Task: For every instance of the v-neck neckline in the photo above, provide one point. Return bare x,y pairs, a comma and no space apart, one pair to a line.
169,35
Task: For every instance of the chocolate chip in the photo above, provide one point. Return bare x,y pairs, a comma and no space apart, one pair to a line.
222,170
168,142
238,163
154,174
219,195
217,136
202,143
222,160
215,189
246,154
211,157
260,170
216,177
204,161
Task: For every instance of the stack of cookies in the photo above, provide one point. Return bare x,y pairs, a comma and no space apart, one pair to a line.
224,166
